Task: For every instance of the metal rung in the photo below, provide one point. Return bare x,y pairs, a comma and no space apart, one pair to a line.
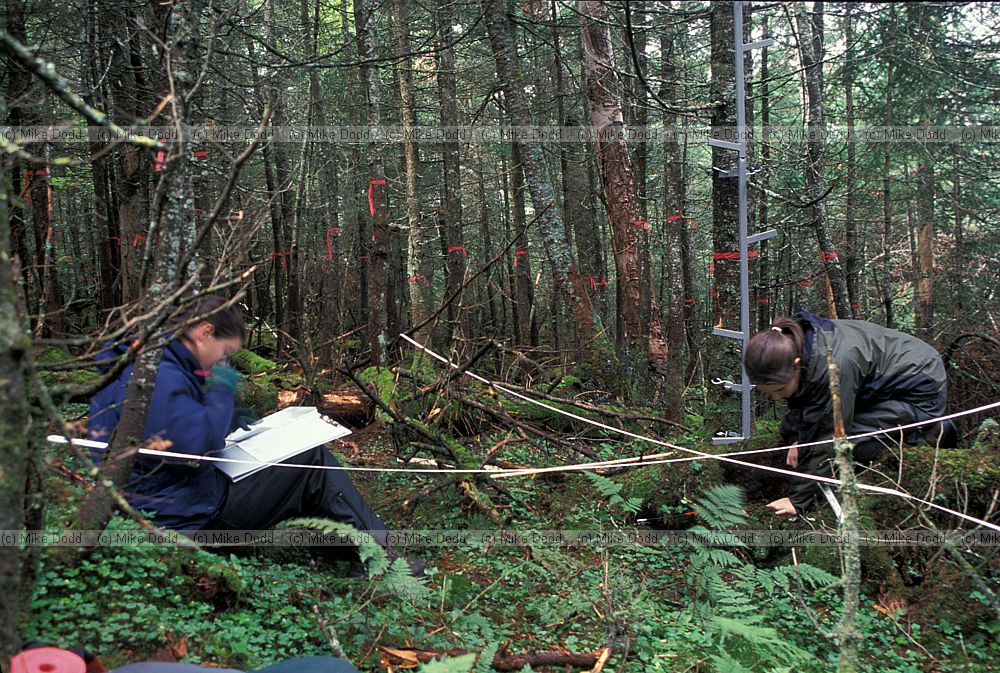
727,440
759,44
725,145
732,334
762,236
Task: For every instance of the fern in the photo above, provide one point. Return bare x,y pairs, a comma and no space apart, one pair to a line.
611,490
485,662
721,507
390,577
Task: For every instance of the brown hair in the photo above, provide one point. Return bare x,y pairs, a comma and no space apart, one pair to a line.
227,320
770,355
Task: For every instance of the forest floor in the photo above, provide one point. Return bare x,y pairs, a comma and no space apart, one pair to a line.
658,607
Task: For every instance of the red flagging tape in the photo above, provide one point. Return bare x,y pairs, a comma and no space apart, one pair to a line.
804,283
458,248
416,278
674,218
827,255
201,154
329,245
284,258
135,241
763,300
160,157
371,194
516,253
642,223
733,255
689,301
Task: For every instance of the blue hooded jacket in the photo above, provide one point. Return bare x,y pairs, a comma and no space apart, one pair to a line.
195,420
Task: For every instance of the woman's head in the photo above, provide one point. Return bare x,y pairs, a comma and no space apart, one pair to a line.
214,331
773,358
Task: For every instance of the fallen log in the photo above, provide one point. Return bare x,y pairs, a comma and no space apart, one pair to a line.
504,660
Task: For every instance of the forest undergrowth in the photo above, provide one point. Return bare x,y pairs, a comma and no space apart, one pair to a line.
703,604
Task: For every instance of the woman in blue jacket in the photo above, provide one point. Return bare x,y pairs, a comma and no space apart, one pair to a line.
192,408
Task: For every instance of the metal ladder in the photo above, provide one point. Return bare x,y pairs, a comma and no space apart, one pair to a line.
743,387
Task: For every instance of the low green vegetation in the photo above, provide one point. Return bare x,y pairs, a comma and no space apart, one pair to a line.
703,604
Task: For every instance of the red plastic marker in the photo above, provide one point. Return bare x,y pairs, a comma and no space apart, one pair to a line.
47,660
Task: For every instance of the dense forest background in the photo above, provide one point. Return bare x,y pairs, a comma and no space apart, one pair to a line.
524,186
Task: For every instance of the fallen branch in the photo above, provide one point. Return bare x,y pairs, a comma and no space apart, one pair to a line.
504,660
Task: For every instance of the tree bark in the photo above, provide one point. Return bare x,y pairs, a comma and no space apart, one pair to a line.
852,242
453,241
598,360
619,183
173,233
378,250
674,226
419,270
925,252
810,29
15,346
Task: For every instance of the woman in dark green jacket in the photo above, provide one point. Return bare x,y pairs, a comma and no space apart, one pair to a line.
887,379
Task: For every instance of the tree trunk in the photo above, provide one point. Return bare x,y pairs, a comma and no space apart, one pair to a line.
523,288
724,359
598,359
924,303
619,181
766,295
14,441
174,220
674,226
50,305
852,267
419,270
886,284
378,255
810,28
453,241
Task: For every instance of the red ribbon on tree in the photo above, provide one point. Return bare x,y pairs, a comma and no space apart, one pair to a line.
416,278
674,218
371,194
516,253
160,158
284,258
201,154
329,246
458,248
642,223
827,255
135,241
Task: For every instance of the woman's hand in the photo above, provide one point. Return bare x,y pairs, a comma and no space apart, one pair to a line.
783,507
793,456
224,376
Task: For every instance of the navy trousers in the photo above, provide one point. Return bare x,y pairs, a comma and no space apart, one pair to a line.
278,493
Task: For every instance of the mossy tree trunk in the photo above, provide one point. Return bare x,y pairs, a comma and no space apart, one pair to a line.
14,441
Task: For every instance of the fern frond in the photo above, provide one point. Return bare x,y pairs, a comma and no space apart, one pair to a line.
721,507
605,486
484,664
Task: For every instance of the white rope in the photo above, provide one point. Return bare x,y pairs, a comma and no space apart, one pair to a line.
722,457
639,461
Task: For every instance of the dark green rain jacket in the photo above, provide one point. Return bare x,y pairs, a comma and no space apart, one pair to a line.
887,378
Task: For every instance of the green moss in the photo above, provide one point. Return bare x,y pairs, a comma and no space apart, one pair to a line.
249,362
383,383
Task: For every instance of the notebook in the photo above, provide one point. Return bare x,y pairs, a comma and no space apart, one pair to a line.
276,438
